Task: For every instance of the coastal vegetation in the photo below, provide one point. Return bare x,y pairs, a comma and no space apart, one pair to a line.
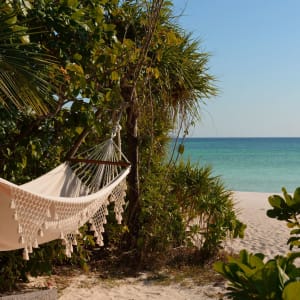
86,65
252,276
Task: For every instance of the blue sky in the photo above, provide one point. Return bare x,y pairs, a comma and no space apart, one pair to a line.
255,56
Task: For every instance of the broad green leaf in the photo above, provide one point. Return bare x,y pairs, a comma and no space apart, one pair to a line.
256,261
219,267
288,198
291,291
273,213
244,256
295,243
276,201
77,56
297,195
79,130
11,20
295,231
292,239
290,225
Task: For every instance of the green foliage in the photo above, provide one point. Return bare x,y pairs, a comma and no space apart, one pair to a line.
251,277
291,291
206,204
98,45
287,208
29,75
162,223
174,197
12,270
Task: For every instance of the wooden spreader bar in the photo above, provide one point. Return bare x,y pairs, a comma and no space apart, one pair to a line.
100,162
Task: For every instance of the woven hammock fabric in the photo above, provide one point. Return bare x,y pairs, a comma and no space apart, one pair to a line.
57,204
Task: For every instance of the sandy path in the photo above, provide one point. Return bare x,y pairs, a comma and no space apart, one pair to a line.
262,235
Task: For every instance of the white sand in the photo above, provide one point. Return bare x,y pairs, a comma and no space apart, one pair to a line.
137,289
262,235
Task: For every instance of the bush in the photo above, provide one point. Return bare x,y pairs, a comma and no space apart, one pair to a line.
278,278
185,205
206,206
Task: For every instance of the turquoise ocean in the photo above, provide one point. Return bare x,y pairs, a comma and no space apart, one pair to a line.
249,164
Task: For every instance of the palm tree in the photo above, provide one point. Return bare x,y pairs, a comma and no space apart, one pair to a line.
27,79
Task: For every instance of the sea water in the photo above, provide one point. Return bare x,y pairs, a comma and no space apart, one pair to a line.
249,164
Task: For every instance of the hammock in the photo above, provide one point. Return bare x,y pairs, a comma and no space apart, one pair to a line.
57,204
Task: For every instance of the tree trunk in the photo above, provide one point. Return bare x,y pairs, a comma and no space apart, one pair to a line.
134,206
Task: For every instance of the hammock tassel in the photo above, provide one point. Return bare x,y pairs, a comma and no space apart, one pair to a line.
20,229
101,228
100,241
35,244
92,227
74,242
25,254
21,239
40,232
106,211
15,216
67,252
30,250
12,204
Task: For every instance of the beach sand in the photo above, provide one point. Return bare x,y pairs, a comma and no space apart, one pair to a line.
263,234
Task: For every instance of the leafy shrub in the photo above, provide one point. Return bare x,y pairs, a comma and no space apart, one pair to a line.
252,278
162,225
206,206
278,278
287,209
185,197
12,270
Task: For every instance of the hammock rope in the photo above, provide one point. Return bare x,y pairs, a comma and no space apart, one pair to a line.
57,204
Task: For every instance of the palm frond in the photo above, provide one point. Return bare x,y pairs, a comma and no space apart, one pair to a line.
27,75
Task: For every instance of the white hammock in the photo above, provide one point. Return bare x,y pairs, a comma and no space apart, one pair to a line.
56,204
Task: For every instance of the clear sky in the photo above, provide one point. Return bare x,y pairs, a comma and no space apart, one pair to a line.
255,56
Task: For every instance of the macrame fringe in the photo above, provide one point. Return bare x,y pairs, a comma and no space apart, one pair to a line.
36,215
